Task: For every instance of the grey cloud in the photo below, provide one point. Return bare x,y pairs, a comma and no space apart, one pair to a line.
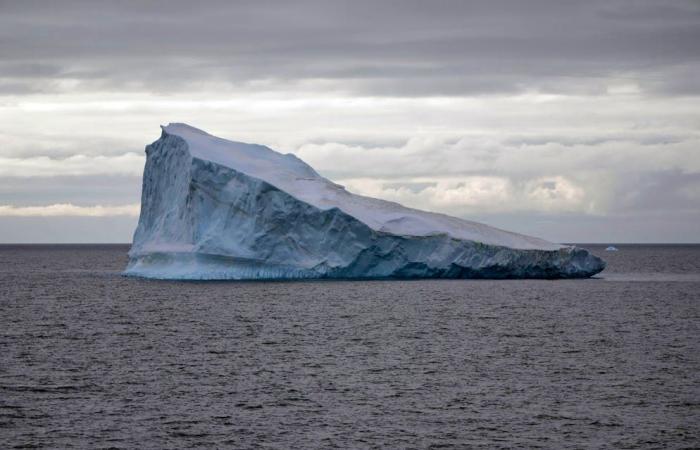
67,229
79,190
17,87
64,146
383,48
513,156
412,187
570,141
633,153
582,228
30,70
661,192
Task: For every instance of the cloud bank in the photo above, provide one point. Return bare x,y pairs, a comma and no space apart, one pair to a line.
68,210
520,114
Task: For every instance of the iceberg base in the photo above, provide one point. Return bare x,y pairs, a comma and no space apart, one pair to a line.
499,263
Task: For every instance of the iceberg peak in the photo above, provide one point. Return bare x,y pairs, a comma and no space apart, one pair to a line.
174,127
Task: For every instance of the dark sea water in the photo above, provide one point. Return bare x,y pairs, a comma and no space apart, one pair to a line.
90,359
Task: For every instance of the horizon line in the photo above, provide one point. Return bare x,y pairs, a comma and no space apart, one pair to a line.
563,243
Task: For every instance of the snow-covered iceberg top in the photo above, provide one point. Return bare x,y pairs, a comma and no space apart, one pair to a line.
295,177
214,208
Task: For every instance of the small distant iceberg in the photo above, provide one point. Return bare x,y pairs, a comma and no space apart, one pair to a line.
611,248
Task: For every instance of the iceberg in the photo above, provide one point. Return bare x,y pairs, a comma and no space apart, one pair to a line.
213,209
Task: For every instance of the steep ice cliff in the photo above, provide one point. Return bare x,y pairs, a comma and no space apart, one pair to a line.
217,209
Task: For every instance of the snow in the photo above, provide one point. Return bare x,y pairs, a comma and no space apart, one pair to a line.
217,209
292,175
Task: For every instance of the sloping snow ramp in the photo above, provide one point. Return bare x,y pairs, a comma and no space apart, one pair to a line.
215,209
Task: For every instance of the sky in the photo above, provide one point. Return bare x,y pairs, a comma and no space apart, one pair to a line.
567,120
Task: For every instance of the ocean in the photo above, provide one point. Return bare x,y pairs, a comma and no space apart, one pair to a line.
92,359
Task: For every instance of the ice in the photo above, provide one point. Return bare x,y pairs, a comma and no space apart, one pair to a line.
217,209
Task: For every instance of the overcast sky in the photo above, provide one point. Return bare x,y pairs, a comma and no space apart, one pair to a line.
572,121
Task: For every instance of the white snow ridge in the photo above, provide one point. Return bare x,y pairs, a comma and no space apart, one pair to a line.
218,209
